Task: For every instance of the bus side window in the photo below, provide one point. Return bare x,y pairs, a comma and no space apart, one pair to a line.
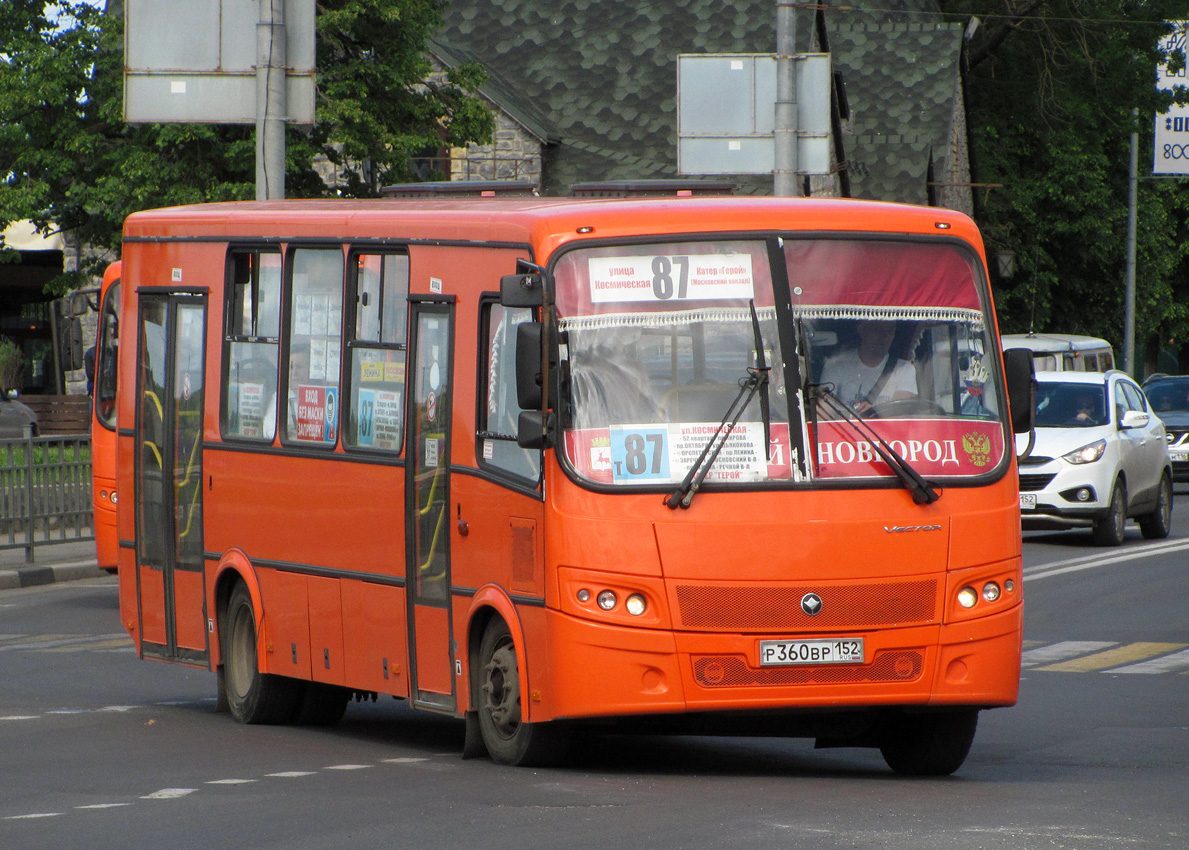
379,291
313,346
498,416
250,342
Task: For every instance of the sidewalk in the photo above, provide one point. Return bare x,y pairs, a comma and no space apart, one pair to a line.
65,561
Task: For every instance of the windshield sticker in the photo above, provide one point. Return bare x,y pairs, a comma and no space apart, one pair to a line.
701,277
663,454
952,448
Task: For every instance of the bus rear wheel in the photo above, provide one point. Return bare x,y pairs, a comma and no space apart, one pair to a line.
508,738
929,744
252,697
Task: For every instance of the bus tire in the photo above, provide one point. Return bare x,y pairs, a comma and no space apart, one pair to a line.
1158,524
321,704
1112,528
252,697
508,738
929,744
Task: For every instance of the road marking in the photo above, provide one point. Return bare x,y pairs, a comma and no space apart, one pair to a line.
290,774
1113,657
104,806
1090,562
1061,651
1167,664
34,816
232,781
169,794
348,767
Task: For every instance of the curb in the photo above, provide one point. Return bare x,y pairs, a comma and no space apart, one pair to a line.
34,575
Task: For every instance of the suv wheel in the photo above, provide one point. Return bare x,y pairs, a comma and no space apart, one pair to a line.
1109,530
1158,524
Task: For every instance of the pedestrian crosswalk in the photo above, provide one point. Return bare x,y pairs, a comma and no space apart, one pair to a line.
1067,656
1091,656
117,642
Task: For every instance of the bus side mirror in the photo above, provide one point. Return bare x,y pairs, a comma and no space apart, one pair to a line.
522,290
1021,388
528,365
534,429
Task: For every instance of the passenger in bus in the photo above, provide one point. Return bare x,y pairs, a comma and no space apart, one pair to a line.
299,370
868,374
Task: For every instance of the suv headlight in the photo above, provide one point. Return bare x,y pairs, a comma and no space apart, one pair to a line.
1086,454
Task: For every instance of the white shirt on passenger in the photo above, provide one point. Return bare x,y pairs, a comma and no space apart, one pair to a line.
853,380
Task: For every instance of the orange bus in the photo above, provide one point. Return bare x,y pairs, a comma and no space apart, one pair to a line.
103,420
549,465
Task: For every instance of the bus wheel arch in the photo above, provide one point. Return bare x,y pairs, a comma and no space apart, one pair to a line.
251,695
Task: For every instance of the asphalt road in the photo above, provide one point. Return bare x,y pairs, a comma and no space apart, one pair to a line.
100,750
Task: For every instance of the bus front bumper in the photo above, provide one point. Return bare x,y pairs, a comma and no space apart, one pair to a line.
598,670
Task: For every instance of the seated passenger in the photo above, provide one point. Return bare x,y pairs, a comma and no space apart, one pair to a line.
868,375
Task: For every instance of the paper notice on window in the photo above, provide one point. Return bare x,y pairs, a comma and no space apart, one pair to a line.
681,277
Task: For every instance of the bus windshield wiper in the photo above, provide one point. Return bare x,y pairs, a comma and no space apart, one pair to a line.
755,382
922,491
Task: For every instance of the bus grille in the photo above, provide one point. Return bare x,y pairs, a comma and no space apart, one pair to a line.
843,606
732,671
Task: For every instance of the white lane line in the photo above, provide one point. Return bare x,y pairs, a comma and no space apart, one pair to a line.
1164,664
231,781
348,767
1089,562
1061,651
104,806
35,815
291,774
404,760
21,717
169,794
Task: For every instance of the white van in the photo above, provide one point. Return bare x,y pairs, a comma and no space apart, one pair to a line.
1064,352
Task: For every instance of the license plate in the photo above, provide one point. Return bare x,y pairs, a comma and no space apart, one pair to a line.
1179,457
1027,501
828,651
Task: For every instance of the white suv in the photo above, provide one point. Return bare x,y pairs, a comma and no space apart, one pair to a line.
1099,457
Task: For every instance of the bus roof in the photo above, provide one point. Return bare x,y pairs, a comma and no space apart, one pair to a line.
545,223
1052,343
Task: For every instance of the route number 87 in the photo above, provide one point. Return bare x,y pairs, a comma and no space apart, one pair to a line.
662,277
639,455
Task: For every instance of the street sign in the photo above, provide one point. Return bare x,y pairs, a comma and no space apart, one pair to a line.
1171,148
187,61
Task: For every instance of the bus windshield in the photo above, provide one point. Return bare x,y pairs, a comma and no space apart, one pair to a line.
657,341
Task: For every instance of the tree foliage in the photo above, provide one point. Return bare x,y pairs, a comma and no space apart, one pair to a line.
1051,87
68,161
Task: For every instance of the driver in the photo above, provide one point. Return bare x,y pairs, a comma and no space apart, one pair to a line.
868,375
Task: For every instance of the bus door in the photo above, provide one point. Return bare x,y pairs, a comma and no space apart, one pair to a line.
427,500
169,540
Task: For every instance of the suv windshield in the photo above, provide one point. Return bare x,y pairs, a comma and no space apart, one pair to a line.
657,340
1070,405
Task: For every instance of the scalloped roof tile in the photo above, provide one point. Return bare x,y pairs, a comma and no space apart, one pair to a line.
598,80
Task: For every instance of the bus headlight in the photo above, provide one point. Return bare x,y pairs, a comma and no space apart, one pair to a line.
607,600
967,597
990,591
635,604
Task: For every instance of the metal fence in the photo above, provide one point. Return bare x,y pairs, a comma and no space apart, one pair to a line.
45,491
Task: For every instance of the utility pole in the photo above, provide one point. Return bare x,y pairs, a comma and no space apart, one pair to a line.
1129,273
784,172
271,106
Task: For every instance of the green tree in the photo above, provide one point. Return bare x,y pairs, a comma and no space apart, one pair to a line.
69,162
1051,87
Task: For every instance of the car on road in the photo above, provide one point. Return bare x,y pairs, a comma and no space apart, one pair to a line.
1099,457
17,419
1169,397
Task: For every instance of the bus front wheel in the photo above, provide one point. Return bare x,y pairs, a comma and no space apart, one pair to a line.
508,738
929,744
252,696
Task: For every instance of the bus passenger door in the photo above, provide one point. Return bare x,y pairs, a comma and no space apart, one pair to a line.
169,539
427,505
